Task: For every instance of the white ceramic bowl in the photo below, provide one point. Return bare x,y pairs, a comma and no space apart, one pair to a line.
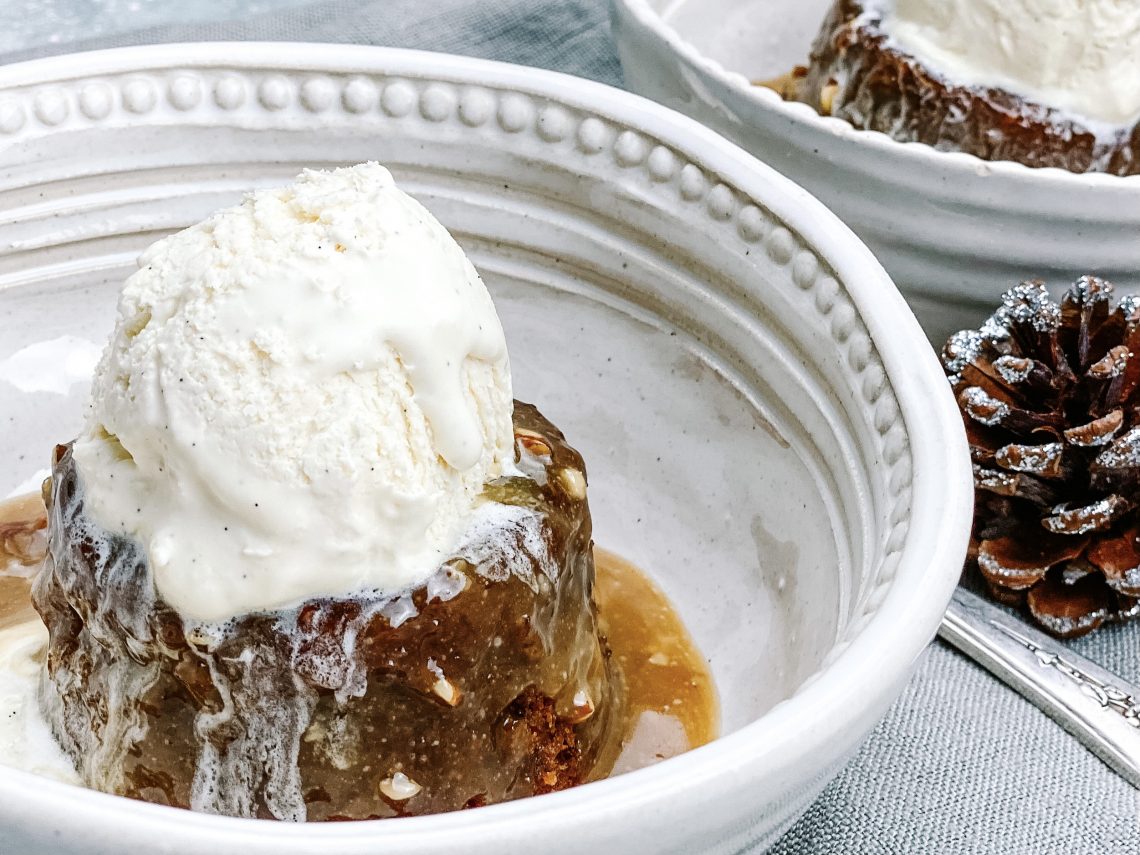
952,230
766,429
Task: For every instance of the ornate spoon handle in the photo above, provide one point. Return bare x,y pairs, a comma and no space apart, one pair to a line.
1096,706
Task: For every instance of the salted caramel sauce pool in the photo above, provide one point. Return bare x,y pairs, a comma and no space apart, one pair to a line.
23,525
670,700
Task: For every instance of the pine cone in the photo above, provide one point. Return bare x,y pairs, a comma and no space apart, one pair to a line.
1049,395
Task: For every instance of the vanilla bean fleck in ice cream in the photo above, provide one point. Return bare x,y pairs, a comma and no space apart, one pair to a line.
304,396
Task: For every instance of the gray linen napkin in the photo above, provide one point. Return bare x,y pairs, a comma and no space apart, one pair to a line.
960,764
564,35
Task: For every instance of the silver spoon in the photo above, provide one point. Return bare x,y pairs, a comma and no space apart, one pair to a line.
1097,707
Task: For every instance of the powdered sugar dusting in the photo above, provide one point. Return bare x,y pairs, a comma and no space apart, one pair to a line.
1065,626
996,328
994,480
1035,459
1129,307
1111,365
983,407
1086,518
1123,453
1013,369
1029,303
962,348
1090,289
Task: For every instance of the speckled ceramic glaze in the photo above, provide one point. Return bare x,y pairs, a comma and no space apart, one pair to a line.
765,428
953,231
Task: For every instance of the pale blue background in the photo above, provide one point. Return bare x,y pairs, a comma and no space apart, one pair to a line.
960,765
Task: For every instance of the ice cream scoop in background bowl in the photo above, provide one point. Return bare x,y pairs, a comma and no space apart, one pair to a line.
765,429
953,231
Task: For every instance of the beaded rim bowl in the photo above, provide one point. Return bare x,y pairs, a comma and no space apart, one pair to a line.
605,198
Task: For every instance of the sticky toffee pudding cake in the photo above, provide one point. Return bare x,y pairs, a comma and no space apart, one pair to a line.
487,682
308,558
1042,83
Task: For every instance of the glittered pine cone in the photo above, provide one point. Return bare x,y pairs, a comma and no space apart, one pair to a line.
1049,395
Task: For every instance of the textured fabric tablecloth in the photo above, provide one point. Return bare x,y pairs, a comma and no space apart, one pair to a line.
960,764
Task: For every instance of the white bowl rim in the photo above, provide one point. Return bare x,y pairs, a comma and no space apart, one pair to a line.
918,153
880,655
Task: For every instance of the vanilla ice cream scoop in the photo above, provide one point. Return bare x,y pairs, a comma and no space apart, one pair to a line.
1082,56
303,396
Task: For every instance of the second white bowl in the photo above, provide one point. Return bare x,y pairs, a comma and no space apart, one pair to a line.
953,231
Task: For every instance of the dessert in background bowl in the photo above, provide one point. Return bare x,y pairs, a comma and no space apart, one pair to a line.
914,95
751,398
1040,83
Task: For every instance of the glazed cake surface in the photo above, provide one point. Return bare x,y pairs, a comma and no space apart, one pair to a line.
488,682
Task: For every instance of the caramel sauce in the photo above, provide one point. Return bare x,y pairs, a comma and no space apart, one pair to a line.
23,526
671,701
15,601
785,84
